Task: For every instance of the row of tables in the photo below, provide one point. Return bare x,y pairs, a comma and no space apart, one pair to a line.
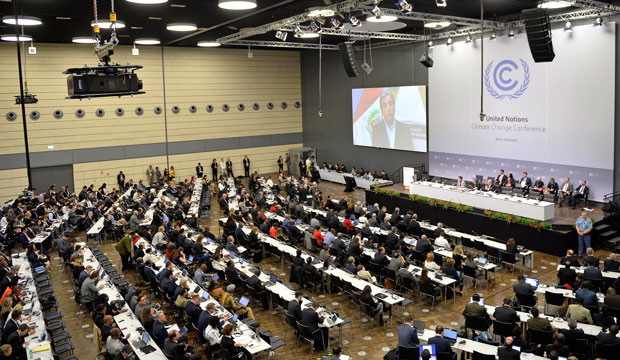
361,182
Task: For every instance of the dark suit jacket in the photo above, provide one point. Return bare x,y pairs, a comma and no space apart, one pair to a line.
611,265
294,309
311,319
591,260
423,247
501,179
593,273
607,338
402,136
159,333
566,276
17,344
9,328
407,336
441,344
168,286
473,309
381,259
523,288
193,311
506,353
505,314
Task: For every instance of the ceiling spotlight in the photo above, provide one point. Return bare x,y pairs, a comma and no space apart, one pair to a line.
237,4
83,40
354,21
281,35
12,37
555,4
441,3
511,33
568,26
493,35
22,20
336,24
321,20
404,6
598,21
449,42
315,27
376,11
314,12
148,2
298,31
106,24
208,43
437,24
468,39
430,44
181,27
147,41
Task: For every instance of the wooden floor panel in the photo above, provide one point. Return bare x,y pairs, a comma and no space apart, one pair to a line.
360,340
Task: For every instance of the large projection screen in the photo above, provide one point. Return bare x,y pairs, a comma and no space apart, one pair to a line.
548,119
390,117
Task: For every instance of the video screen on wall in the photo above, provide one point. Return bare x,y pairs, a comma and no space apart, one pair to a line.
390,117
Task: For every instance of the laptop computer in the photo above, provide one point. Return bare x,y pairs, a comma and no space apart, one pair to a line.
298,222
482,261
208,241
272,280
191,258
430,348
235,317
205,296
458,273
244,301
419,326
39,269
215,277
533,282
471,300
142,342
450,335
231,254
240,260
197,289
183,331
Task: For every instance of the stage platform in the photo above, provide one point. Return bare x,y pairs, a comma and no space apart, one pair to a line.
564,217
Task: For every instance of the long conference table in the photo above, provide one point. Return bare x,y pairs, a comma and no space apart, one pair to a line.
519,206
361,182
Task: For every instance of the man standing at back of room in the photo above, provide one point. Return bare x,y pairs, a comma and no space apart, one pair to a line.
199,171
583,226
150,175
120,179
246,166
229,168
287,160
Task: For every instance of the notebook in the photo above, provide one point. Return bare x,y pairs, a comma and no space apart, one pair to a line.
244,301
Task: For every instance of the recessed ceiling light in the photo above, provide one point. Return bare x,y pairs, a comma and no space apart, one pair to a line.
177,5
83,40
154,18
315,12
382,18
136,28
237,4
148,1
107,24
555,4
181,27
437,24
12,37
208,43
147,41
63,18
306,35
22,20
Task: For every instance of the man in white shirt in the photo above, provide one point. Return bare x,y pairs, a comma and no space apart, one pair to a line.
223,166
441,241
459,182
565,191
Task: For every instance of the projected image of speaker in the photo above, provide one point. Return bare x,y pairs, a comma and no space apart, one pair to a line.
348,59
538,31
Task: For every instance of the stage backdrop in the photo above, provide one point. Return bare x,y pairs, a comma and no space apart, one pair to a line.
549,119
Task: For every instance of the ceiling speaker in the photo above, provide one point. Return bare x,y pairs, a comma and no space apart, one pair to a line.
348,59
538,32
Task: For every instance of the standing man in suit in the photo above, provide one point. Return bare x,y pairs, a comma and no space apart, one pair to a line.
120,179
584,227
287,160
581,192
229,170
294,306
223,166
311,318
501,178
390,133
150,175
526,183
199,171
246,166
441,344
407,334
214,170
565,191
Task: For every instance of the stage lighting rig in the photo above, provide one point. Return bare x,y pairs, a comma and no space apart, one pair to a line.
404,6
105,79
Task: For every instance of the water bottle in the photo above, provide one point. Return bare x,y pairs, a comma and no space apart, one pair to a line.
30,354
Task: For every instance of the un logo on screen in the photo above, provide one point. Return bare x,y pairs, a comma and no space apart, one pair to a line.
507,79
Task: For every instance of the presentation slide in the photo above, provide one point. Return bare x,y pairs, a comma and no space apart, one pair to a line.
552,119
390,117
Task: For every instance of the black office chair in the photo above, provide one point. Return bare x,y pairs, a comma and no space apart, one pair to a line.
607,351
555,299
480,356
469,272
305,334
508,259
503,329
543,338
527,301
446,356
579,347
290,320
408,353
476,323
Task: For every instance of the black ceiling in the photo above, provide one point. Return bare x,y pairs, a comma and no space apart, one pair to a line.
206,14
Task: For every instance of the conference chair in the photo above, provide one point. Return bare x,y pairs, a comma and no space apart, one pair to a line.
469,272
476,323
543,338
305,334
527,301
273,341
480,356
408,353
604,351
508,259
503,329
446,356
555,299
367,313
579,347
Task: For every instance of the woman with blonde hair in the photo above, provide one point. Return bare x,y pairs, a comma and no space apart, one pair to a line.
7,308
430,262
171,173
458,255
